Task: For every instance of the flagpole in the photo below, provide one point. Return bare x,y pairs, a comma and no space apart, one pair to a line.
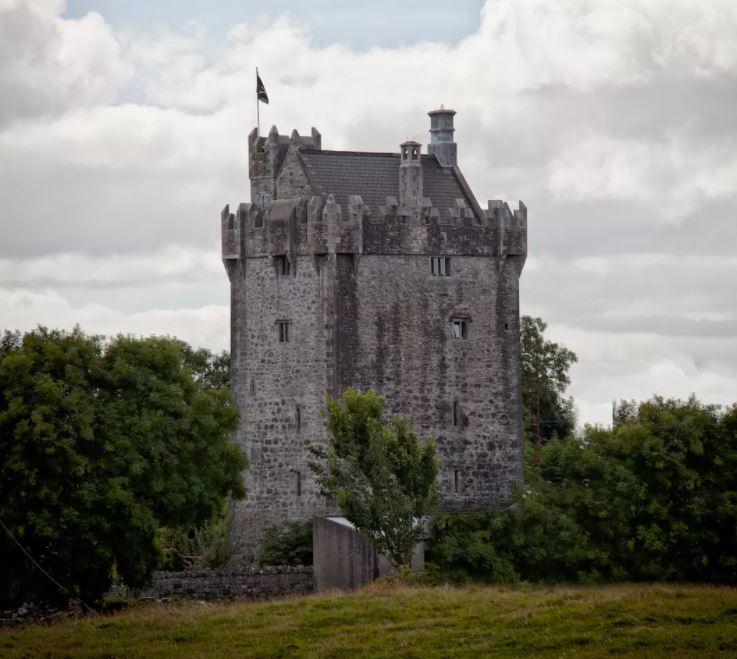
258,118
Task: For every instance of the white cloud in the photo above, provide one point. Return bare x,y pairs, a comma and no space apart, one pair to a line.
172,264
676,175
612,119
49,64
26,309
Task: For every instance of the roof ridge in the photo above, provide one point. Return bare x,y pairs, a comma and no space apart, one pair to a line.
351,153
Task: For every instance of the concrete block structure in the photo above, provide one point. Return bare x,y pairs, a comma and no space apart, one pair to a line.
375,271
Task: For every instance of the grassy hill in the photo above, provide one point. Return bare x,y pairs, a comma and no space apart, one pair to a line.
393,620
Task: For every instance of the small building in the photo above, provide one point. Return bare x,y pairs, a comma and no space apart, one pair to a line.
374,271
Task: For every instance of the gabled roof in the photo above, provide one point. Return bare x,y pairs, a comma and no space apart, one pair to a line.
375,176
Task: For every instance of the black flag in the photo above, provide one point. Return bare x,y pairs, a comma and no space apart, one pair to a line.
261,90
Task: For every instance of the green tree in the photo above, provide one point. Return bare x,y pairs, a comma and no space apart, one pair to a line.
654,498
545,366
380,474
101,443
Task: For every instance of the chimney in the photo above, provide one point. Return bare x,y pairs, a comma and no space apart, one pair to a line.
410,174
441,137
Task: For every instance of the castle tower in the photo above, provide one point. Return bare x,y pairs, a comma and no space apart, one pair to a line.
376,271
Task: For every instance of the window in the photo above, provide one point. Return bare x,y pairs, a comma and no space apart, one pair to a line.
456,413
440,266
456,481
298,474
460,328
283,327
258,220
298,418
253,386
282,265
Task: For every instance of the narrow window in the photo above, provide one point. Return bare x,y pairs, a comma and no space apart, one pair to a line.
298,418
253,386
283,327
440,266
456,480
460,328
298,474
282,265
258,220
455,413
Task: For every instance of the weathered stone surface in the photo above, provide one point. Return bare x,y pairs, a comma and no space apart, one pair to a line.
248,583
354,286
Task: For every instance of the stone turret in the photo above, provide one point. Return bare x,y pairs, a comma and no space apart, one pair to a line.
441,137
410,175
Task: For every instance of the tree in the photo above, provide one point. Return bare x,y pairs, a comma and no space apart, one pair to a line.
380,474
101,443
545,366
654,498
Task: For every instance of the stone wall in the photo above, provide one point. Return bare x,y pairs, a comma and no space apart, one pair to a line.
251,583
395,334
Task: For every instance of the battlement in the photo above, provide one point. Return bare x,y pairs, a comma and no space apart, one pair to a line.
319,225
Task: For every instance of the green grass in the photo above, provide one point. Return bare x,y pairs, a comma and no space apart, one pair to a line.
392,620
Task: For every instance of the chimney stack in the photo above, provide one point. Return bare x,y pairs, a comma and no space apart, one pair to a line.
410,174
441,137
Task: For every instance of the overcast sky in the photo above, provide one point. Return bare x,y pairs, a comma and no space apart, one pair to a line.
123,131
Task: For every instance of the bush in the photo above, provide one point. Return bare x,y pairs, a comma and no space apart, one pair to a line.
654,498
289,544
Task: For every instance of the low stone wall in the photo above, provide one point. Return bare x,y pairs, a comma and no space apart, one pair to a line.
256,583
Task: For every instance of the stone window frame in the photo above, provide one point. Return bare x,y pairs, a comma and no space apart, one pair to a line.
440,266
282,265
282,328
459,328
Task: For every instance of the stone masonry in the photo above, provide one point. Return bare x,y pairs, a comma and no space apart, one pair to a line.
375,271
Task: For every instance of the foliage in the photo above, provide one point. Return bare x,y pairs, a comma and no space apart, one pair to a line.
386,620
654,498
204,547
545,366
380,473
100,444
287,544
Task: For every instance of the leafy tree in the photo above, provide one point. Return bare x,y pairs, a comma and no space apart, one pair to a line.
288,544
545,366
101,443
380,474
654,498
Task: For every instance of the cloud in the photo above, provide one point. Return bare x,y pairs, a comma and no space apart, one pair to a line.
49,64
202,326
172,264
678,174
612,119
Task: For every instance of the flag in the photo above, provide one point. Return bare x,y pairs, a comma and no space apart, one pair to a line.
261,90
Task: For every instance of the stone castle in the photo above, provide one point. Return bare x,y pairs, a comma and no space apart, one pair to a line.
374,271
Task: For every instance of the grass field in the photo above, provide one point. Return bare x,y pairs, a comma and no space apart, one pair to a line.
392,620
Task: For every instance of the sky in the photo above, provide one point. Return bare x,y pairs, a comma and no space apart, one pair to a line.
123,131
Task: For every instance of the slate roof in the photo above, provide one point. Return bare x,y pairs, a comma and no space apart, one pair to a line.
375,176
